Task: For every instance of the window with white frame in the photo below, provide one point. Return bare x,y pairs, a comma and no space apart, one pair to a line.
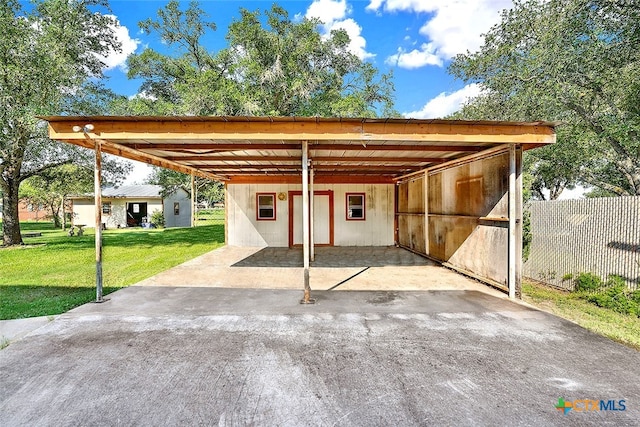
355,207
106,208
266,206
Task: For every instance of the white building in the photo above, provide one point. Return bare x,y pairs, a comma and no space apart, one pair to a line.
132,205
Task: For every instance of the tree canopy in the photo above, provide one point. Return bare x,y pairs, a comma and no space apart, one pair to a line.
48,54
573,61
271,66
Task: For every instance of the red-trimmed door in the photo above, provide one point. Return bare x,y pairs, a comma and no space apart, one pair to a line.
322,222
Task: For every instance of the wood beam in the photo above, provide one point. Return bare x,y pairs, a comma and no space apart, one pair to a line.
295,179
158,128
226,147
132,154
222,147
318,168
316,159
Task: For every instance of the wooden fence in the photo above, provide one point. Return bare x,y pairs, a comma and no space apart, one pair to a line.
600,236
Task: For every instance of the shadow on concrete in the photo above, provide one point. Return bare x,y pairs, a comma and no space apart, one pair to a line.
335,257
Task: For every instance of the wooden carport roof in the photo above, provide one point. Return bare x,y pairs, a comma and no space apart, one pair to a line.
253,149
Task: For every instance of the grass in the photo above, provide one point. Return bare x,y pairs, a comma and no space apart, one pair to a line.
618,327
54,273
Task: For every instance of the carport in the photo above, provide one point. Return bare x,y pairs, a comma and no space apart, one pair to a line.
448,190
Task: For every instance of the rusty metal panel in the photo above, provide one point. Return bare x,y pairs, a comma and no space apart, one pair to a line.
403,197
481,253
411,214
416,195
448,234
411,232
435,193
404,238
468,212
474,189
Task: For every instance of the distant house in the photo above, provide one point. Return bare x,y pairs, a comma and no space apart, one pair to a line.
133,205
32,212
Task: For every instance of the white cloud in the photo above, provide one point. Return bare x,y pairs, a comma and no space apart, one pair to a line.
357,43
452,26
374,5
445,104
328,11
129,45
143,95
333,14
416,58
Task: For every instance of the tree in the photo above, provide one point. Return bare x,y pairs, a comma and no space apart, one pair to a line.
272,66
575,61
53,186
46,55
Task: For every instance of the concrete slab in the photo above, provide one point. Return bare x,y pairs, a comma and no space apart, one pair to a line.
185,356
351,268
15,329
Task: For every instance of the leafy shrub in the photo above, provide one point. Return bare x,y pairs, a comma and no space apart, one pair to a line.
587,282
568,276
616,296
157,218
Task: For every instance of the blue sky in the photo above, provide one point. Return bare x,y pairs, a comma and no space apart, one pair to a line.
414,38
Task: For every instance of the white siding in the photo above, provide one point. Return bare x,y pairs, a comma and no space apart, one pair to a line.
245,230
84,212
184,218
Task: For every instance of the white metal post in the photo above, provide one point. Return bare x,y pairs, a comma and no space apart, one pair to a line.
519,221
511,277
311,217
305,221
97,188
193,200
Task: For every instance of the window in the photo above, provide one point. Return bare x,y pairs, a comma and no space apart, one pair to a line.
355,206
106,208
266,206
176,208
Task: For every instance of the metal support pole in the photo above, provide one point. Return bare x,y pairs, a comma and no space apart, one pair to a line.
311,217
305,222
511,277
193,200
98,204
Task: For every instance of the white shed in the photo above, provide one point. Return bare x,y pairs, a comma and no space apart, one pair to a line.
133,205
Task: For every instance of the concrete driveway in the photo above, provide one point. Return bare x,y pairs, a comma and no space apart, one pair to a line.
215,356
339,267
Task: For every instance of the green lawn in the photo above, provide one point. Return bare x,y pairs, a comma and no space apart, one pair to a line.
54,273
619,327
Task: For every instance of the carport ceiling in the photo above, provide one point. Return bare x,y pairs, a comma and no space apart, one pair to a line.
245,148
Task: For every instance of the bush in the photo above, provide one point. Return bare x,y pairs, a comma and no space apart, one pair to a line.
587,282
617,297
157,218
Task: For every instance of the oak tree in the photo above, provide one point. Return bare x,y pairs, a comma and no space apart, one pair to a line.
573,61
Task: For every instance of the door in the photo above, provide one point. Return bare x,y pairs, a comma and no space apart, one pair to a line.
136,214
322,222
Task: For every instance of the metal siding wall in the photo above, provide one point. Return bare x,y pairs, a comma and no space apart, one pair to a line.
600,236
376,230
182,220
459,200
411,214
